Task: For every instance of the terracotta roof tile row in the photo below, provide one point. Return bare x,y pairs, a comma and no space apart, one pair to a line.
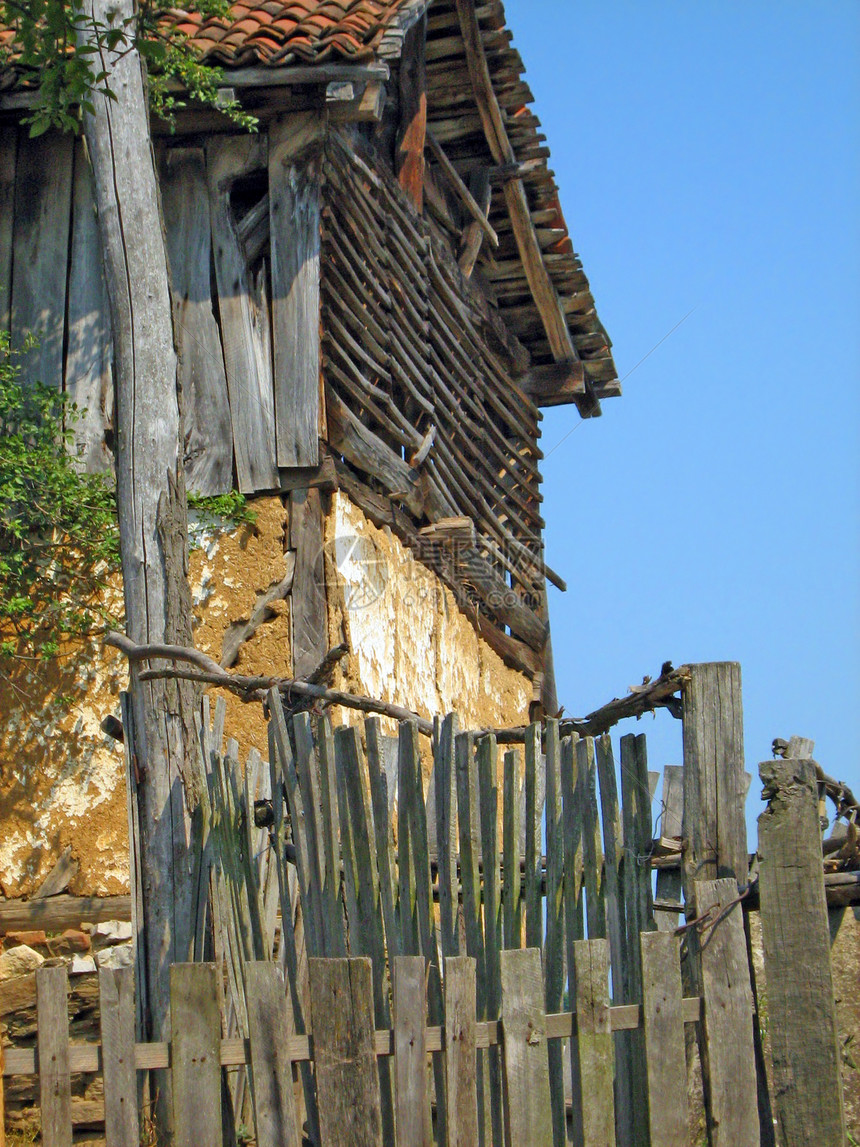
282,32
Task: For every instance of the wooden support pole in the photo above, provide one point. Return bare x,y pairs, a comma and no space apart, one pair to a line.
804,1036
411,131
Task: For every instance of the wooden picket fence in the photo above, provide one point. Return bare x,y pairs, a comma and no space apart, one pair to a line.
406,940
376,1086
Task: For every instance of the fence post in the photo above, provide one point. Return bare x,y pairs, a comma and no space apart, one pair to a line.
195,1062
728,1061
528,1110
116,1005
804,1035
714,778
52,1015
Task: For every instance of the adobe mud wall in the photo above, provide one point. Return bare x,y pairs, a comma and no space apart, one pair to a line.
61,778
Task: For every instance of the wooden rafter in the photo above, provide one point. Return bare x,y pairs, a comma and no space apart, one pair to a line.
543,291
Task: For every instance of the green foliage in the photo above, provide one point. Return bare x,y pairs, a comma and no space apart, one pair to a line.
222,509
49,46
59,541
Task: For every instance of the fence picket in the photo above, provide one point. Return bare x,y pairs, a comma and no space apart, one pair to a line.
369,932
195,1055
406,878
594,1038
528,1112
663,1023
330,837
382,833
116,1017
669,882
728,1059
446,835
274,1102
348,1097
410,1051
307,773
571,802
55,1092
460,1054
488,787
592,852
554,946
511,828
533,850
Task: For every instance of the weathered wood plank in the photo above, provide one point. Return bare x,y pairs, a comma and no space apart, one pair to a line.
592,852
554,944
43,193
663,1023
244,328
446,835
307,772
714,777
330,831
488,799
594,1042
383,835
528,1113
460,1054
511,829
410,1051
117,1023
269,1024
669,883
728,1059
807,1077
344,1054
195,1054
55,1095
412,126
308,614
571,797
207,433
294,215
89,352
533,851
8,151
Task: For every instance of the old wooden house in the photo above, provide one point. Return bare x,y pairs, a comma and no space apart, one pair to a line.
374,294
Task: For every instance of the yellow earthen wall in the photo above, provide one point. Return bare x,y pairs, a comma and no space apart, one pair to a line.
61,778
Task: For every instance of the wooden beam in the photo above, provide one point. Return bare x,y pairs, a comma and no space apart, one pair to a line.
473,235
463,192
554,384
543,291
412,128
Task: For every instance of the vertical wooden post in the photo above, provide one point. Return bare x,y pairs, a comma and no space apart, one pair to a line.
460,1055
665,1056
715,782
728,1059
804,1037
52,1014
594,1038
268,1026
195,1055
554,947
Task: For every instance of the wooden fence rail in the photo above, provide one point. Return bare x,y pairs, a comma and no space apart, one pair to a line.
348,1053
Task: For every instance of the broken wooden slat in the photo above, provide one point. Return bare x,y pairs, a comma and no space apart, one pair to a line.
116,1020
528,1113
344,1054
663,1024
244,329
594,1042
728,1056
89,352
410,1051
462,191
294,214
460,1054
511,828
43,192
207,434
195,1054
807,1073
473,234
669,883
55,1093
269,1024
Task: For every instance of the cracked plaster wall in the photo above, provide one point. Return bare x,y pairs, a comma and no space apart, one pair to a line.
61,778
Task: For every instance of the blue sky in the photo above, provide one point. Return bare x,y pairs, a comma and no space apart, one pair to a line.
708,161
